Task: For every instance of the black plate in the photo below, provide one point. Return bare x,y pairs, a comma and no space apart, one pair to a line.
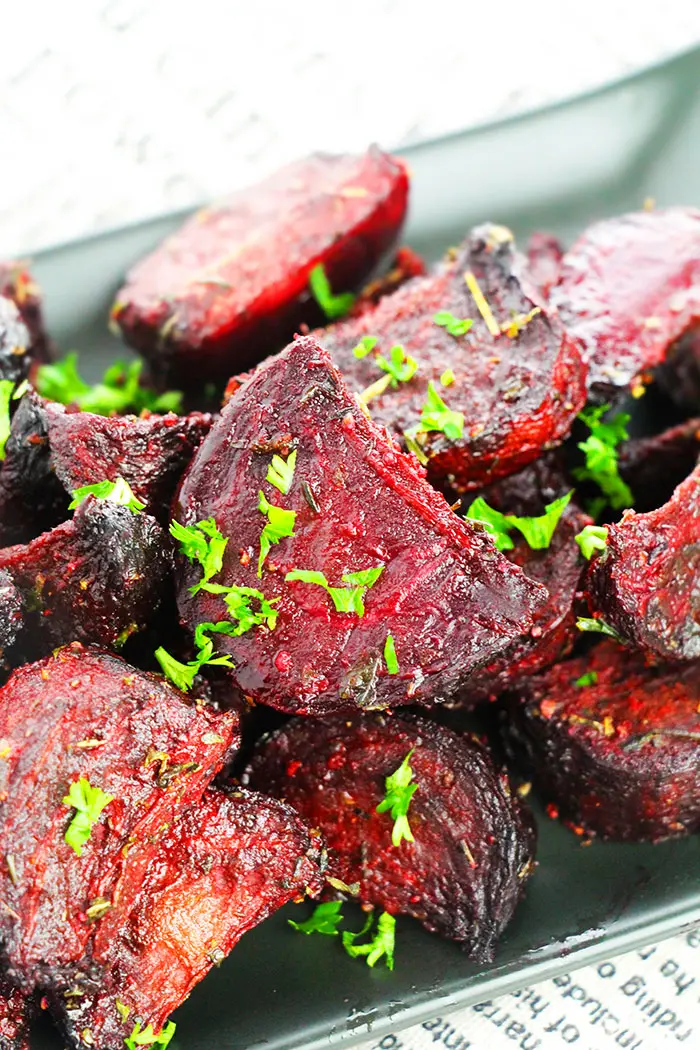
556,169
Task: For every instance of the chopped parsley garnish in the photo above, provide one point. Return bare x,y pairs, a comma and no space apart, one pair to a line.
325,919
452,325
237,601
590,678
382,942
593,626
600,449
6,388
437,416
592,538
538,531
399,792
516,324
117,491
280,473
448,377
481,304
392,664
365,346
333,306
183,675
147,1037
400,367
118,391
280,524
88,803
202,543
348,599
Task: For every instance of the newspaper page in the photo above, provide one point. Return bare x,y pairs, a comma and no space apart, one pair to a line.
645,1000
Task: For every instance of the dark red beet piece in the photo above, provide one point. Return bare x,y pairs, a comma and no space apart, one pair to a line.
17,284
654,466
630,288
405,265
466,871
545,254
92,579
679,375
619,758
518,394
232,285
86,713
451,601
14,1018
646,583
228,863
14,343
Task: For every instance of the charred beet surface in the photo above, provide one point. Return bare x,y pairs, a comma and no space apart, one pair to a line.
451,601
91,579
630,288
232,285
17,284
14,343
619,758
466,870
518,392
646,583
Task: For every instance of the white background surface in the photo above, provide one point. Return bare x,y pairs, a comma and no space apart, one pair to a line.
111,110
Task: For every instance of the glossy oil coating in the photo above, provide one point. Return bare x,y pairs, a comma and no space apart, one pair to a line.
450,599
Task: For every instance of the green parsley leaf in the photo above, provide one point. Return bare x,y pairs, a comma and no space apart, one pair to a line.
182,675
333,306
538,531
6,388
453,325
147,1037
400,367
448,377
381,944
325,919
118,392
399,792
117,491
437,416
593,626
88,803
281,473
365,346
202,543
600,449
495,523
592,538
590,678
392,664
348,599
280,524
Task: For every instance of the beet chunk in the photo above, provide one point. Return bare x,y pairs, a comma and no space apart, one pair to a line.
466,871
85,713
620,757
14,343
679,375
14,1019
451,601
646,583
227,864
232,285
91,579
545,254
654,466
17,284
630,288
518,392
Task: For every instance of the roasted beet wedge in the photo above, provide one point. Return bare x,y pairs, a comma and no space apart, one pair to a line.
679,375
233,284
86,714
93,579
619,756
405,265
646,583
451,601
630,287
518,391
14,1018
14,343
466,870
654,466
17,283
545,254
560,568
228,863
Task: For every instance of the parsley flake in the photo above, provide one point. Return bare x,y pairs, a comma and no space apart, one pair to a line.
280,524
365,346
118,491
182,675
203,543
88,803
594,626
348,599
325,919
600,450
6,388
452,325
381,944
392,664
281,473
147,1037
538,531
118,391
590,678
333,306
400,367
482,304
437,416
399,792
592,538
448,377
